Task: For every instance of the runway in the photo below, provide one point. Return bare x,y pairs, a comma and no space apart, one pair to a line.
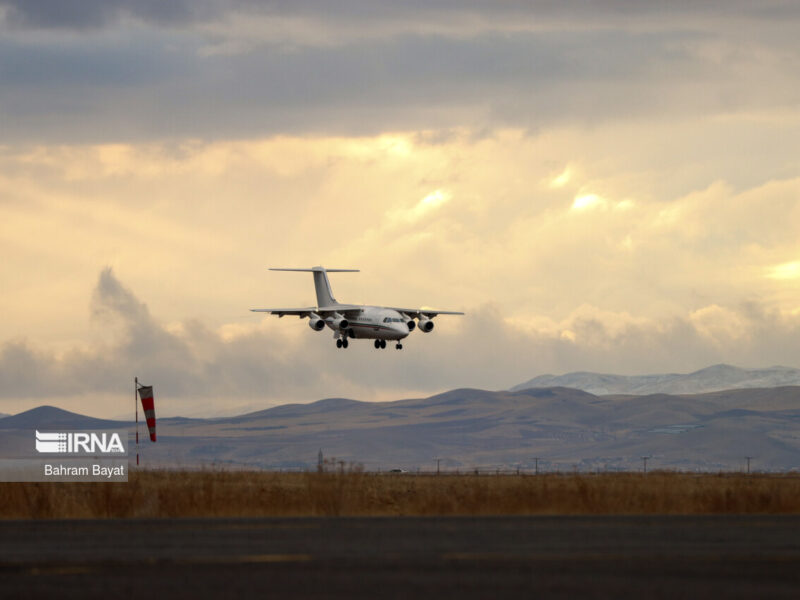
465,558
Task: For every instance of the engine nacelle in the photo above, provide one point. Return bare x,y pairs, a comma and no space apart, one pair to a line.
337,322
425,325
409,321
316,323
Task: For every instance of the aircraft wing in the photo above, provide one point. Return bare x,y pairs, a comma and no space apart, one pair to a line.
345,309
299,312
348,310
423,312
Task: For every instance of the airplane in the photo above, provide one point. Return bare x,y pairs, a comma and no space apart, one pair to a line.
352,321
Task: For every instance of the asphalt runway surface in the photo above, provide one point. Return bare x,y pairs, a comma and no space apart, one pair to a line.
542,557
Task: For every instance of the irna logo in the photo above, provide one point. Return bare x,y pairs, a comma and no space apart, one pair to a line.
72,442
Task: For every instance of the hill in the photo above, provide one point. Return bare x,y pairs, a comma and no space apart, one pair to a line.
56,418
565,429
710,379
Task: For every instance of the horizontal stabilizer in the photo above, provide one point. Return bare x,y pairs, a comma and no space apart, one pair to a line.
319,269
321,283
285,310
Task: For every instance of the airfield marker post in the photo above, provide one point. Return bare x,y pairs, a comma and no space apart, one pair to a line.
136,409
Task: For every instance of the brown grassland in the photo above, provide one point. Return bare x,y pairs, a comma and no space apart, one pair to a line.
164,493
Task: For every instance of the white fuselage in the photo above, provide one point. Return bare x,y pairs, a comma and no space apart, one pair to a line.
374,322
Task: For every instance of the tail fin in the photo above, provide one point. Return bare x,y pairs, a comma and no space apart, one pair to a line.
321,283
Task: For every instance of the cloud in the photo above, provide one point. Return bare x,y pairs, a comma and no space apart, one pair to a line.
382,18
95,14
677,280
245,69
668,242
186,362
427,206
197,370
588,202
790,270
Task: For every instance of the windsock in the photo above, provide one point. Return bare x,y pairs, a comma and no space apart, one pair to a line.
146,394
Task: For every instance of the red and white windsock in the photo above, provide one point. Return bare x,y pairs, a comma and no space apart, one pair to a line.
146,394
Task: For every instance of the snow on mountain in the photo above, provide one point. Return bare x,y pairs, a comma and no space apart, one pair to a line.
710,379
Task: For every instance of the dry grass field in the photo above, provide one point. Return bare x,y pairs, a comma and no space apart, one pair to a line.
250,494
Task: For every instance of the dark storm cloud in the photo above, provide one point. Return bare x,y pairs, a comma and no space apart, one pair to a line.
94,14
230,69
134,88
91,14
69,67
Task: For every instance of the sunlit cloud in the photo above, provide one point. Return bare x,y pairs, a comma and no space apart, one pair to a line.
432,201
426,206
720,324
785,271
625,205
562,178
569,335
588,202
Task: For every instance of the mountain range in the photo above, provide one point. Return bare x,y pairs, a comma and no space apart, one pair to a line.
555,428
710,379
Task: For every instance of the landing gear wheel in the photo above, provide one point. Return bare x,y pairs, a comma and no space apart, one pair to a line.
377,344
399,346
338,343
383,343
344,343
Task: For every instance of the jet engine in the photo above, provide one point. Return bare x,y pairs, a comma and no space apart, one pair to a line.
425,324
409,321
337,321
316,323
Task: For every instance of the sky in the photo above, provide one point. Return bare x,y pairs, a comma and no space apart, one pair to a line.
606,186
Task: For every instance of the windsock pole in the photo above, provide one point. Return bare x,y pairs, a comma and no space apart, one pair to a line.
136,408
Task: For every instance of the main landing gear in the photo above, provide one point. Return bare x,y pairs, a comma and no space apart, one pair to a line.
380,344
341,343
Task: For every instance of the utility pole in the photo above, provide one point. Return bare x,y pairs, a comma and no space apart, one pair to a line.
536,465
748,463
644,464
437,465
